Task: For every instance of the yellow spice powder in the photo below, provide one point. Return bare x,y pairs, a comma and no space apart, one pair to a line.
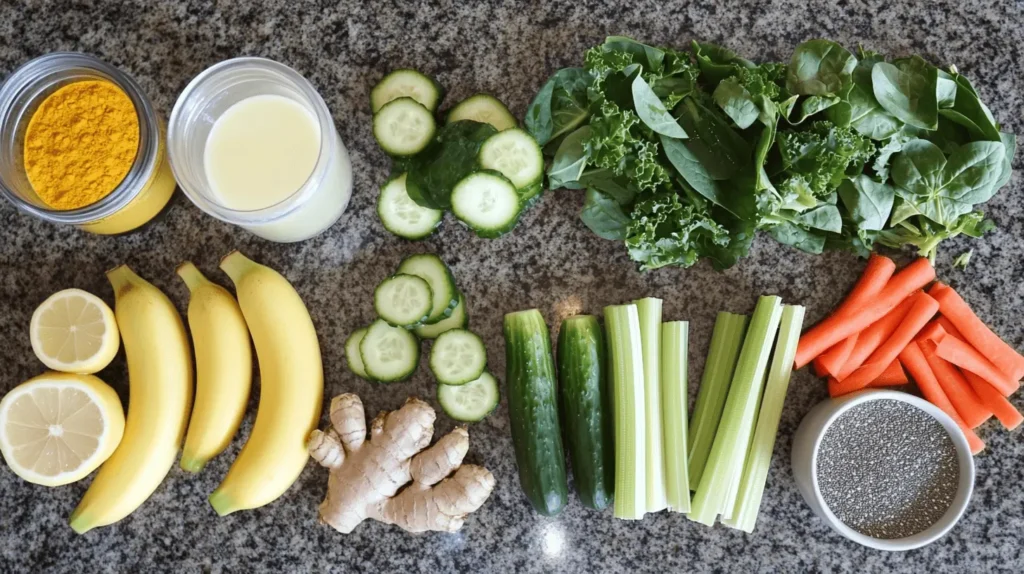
81,143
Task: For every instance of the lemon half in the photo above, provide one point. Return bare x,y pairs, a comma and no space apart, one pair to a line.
57,428
74,331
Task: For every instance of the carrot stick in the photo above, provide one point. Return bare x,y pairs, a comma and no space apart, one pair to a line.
839,326
959,392
970,359
876,274
819,369
1007,414
932,332
975,332
871,338
832,360
913,359
922,311
892,376
946,324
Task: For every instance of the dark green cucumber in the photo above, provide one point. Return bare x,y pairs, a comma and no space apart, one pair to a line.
533,411
587,409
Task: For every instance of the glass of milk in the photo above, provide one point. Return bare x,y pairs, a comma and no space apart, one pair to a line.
252,143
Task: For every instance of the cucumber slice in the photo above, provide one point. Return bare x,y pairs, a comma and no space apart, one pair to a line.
487,203
485,109
457,357
528,196
403,300
389,353
403,216
355,360
458,320
406,84
516,155
403,127
471,402
442,284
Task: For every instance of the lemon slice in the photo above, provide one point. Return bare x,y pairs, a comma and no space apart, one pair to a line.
57,428
74,331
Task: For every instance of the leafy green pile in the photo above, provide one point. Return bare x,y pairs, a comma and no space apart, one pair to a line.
686,154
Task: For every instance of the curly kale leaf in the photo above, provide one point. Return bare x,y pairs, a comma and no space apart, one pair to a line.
663,232
822,156
617,143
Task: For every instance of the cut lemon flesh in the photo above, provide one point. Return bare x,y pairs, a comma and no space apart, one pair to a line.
57,428
75,332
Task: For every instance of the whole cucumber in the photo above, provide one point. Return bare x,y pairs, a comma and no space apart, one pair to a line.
533,411
587,409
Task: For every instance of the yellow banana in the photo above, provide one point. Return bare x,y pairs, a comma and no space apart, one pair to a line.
291,387
160,396
223,368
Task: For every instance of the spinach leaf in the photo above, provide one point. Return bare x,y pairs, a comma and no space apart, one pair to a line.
737,103
688,165
859,108
819,68
604,216
560,106
1010,149
652,111
908,91
649,57
434,172
791,234
825,217
606,182
716,62
813,105
945,92
969,111
718,147
570,161
944,189
867,202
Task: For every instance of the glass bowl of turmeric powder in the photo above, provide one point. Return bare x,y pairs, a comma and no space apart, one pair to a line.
82,145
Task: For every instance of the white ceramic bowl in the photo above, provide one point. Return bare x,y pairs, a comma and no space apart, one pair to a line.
805,461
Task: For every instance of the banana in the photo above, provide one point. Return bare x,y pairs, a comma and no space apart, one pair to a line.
223,368
160,389
291,391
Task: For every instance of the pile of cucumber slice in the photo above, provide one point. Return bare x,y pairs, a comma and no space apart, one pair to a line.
479,164
421,301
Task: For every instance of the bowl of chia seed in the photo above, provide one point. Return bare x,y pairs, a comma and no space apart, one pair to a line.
885,469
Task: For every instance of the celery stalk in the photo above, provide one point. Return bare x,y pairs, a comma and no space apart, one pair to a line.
729,450
674,396
755,471
726,341
622,325
649,311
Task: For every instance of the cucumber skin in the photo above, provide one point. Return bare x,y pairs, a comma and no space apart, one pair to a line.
587,409
533,412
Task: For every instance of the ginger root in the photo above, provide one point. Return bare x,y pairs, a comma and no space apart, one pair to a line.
366,475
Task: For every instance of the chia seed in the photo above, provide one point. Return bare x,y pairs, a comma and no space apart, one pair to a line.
887,469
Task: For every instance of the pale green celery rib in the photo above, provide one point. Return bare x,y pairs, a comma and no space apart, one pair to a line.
622,325
674,396
755,471
729,450
726,341
649,311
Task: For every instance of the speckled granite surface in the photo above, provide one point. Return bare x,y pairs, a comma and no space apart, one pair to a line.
551,262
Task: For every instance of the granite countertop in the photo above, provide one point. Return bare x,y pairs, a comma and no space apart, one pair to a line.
551,262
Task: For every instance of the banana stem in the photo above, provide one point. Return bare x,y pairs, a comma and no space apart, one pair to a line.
236,265
121,279
191,275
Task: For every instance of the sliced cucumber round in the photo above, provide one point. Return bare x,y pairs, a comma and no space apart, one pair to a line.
403,300
472,401
516,155
403,216
457,357
442,284
483,108
406,84
389,353
487,203
458,320
403,127
355,360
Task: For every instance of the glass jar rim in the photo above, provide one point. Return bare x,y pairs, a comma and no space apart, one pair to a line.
146,159
204,199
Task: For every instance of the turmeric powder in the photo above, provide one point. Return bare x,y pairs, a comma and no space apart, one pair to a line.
80,144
